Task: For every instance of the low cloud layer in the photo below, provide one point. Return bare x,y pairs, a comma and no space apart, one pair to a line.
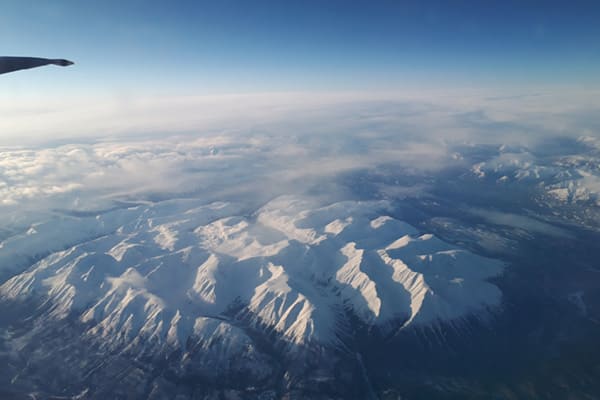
87,155
453,115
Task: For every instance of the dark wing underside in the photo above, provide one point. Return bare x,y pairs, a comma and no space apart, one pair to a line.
10,64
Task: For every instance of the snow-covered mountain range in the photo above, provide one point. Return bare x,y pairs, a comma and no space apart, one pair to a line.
568,176
159,275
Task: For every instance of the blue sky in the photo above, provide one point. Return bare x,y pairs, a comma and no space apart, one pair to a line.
196,47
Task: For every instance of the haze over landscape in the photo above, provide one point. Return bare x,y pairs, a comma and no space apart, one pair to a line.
324,200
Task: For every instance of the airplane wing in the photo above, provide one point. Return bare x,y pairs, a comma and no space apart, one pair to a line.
10,64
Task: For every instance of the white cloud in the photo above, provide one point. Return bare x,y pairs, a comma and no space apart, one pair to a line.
443,115
520,222
254,145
